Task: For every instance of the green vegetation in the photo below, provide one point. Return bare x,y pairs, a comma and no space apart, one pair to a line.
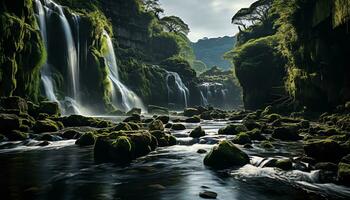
210,52
288,40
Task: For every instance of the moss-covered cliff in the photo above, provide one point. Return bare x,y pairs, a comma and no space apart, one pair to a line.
22,51
309,40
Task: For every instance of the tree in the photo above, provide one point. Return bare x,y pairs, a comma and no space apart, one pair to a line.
175,25
256,13
153,6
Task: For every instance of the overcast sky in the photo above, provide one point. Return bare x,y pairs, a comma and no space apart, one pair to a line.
206,18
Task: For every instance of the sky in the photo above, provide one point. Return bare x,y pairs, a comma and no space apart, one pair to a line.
206,18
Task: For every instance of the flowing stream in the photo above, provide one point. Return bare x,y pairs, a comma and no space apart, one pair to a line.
63,170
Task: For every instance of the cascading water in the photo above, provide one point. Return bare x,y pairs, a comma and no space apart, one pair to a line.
71,102
213,94
176,89
129,99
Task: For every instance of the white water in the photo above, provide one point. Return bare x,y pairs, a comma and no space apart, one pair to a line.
129,99
180,88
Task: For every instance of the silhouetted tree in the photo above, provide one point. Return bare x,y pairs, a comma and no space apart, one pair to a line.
256,13
174,24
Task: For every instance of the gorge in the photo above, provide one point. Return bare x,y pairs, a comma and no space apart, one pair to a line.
110,99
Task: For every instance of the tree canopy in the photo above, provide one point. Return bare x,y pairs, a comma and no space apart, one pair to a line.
256,13
174,24
153,6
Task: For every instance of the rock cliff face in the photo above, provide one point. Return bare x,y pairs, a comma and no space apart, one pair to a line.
302,61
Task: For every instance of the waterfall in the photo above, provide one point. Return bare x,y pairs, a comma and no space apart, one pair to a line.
213,94
45,71
75,56
177,89
129,99
70,104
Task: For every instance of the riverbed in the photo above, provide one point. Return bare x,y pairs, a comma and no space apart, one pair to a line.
63,170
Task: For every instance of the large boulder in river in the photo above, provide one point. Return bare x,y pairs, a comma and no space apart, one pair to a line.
164,118
9,122
190,112
124,147
14,103
164,139
226,155
324,150
197,132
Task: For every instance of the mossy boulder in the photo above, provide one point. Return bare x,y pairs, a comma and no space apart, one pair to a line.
226,155
197,132
178,127
286,134
190,112
122,126
78,120
344,173
14,103
242,138
255,134
134,111
16,135
324,150
119,150
156,125
71,134
47,125
251,124
9,122
232,129
164,118
134,126
136,118
50,108
87,139
194,119
206,115
266,144
163,139
272,117
284,164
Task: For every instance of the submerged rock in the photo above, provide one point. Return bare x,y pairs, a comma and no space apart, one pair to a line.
208,195
226,155
197,132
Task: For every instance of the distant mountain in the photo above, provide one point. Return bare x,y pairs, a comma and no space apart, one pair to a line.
211,50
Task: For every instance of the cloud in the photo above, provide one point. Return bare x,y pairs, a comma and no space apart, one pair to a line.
206,18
